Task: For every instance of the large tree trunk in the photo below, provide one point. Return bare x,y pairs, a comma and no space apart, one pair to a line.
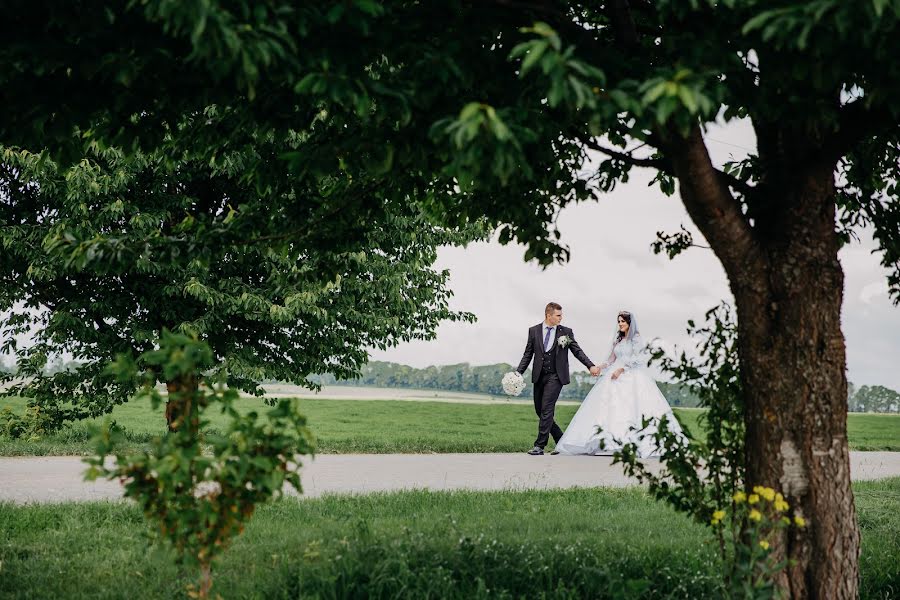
794,374
788,285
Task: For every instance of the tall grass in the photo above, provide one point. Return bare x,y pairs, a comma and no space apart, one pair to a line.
580,543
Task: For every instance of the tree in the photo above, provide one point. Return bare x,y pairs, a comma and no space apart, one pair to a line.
875,398
470,115
99,258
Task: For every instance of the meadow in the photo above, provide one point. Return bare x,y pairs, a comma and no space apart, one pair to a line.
387,426
597,543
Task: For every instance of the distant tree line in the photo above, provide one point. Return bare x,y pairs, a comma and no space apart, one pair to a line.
873,398
483,379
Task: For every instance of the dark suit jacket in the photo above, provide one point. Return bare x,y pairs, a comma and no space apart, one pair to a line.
534,347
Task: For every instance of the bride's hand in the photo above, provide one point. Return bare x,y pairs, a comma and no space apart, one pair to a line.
617,372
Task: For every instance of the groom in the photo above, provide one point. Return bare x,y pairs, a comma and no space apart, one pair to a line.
549,343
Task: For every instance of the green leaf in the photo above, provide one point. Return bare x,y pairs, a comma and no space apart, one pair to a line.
535,52
687,98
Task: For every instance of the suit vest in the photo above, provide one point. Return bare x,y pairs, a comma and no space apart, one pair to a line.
549,362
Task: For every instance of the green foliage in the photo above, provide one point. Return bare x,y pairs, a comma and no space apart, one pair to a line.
570,81
746,533
875,398
672,244
32,425
101,256
200,501
475,109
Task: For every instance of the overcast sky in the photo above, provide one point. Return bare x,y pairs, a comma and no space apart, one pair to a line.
613,268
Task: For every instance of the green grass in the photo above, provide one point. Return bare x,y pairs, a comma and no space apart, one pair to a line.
383,426
873,432
582,543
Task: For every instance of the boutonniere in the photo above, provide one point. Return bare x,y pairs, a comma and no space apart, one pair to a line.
563,341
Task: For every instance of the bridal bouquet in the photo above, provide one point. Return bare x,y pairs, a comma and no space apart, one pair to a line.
513,383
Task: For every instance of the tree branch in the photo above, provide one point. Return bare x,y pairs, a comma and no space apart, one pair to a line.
653,163
714,210
664,165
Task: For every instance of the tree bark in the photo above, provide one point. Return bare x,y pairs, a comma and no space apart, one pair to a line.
794,375
788,288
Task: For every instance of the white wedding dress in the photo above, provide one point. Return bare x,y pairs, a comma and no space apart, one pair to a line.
617,405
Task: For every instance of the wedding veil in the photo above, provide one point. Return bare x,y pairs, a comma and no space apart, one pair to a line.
632,330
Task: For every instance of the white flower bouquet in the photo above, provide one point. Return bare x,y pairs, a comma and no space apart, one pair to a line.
513,383
563,341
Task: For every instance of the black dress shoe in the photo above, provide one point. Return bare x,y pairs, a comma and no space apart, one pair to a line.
555,452
536,451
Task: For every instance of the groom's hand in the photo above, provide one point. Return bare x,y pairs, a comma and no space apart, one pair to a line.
595,370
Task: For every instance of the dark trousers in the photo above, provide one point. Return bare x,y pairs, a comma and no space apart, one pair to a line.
546,393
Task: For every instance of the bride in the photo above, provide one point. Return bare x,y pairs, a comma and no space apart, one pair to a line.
621,398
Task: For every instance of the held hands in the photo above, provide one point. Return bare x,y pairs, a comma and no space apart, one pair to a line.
617,372
595,370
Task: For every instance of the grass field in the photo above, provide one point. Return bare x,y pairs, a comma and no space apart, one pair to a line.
594,543
382,426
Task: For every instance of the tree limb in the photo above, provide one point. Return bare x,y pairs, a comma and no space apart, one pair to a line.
664,165
653,163
715,211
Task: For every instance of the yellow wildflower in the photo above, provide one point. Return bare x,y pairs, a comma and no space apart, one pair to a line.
755,515
739,497
781,505
768,493
785,520
764,544
757,489
800,521
753,499
717,516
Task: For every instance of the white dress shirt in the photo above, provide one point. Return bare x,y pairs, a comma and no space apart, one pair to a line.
551,339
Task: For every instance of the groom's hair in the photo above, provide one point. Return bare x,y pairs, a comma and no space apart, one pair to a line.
551,307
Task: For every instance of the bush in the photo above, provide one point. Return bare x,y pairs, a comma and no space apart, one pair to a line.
31,426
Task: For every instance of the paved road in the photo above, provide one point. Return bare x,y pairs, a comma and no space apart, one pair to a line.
59,478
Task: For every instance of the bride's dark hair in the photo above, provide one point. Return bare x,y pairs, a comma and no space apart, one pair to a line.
626,316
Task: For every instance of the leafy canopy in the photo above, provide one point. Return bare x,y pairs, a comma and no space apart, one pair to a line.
481,108
100,257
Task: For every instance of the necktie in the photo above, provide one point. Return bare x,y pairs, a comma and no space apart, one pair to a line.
547,339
